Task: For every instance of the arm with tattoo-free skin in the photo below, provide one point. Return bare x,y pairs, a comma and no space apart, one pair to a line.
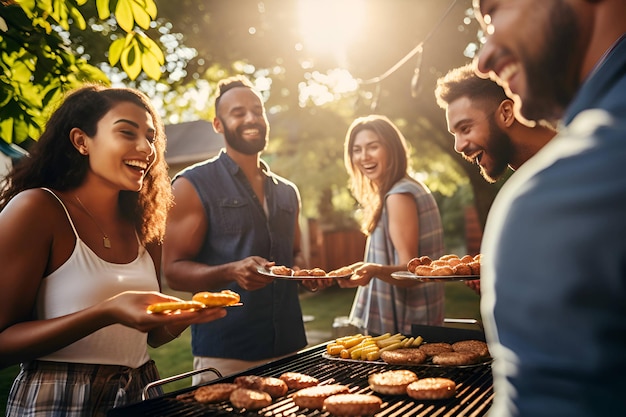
185,233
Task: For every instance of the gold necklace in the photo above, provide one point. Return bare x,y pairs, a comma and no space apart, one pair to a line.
105,239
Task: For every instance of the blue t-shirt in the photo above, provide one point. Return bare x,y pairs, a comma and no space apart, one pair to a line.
270,322
554,264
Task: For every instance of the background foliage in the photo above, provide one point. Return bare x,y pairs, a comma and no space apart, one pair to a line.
312,93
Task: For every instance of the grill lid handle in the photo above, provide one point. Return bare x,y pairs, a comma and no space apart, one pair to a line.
144,393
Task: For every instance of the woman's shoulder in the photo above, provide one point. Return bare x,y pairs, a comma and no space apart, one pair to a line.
33,199
33,211
407,185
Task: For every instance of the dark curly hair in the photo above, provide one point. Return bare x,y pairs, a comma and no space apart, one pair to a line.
463,82
53,162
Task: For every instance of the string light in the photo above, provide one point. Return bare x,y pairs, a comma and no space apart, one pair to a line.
417,50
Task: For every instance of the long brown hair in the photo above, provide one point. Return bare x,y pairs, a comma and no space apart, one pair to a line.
53,161
369,195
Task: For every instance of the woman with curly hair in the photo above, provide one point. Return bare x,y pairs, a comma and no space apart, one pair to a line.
401,220
82,219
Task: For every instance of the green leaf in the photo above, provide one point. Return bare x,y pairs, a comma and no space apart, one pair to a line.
104,10
115,51
79,20
20,130
5,95
124,15
6,129
153,47
150,65
151,8
131,60
140,15
20,73
29,7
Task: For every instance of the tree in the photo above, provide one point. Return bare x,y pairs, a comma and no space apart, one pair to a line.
307,99
265,41
39,65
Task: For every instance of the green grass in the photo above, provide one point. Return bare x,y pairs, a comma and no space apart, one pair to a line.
176,358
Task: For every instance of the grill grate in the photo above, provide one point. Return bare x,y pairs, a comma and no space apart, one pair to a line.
473,398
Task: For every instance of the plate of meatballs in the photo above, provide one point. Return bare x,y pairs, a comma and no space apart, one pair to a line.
445,269
284,272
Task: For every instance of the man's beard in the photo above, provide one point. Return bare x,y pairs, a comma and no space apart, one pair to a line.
552,72
500,151
247,147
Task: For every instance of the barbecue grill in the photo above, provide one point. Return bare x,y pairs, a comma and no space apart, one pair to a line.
473,398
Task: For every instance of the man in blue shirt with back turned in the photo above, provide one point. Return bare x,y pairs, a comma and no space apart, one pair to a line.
554,249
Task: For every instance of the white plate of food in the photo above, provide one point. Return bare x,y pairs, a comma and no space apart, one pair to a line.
406,275
282,272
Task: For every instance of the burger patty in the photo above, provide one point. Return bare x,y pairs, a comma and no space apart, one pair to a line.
391,382
250,399
214,393
455,358
404,356
295,380
473,346
432,349
275,387
313,397
352,404
431,389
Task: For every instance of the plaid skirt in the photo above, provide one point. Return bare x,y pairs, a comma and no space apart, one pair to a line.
46,389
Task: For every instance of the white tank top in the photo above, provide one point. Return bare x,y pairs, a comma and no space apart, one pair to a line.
84,280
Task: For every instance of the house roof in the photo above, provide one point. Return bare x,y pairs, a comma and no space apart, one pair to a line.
190,142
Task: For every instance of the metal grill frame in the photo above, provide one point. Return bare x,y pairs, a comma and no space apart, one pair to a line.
473,398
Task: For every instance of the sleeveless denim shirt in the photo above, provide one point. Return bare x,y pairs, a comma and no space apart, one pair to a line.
269,324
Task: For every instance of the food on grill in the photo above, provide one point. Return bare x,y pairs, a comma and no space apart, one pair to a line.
431,389
447,265
343,271
313,397
250,399
168,307
216,299
404,356
391,382
275,387
214,393
281,270
370,348
473,346
296,380
398,349
352,404
455,358
432,349
186,396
